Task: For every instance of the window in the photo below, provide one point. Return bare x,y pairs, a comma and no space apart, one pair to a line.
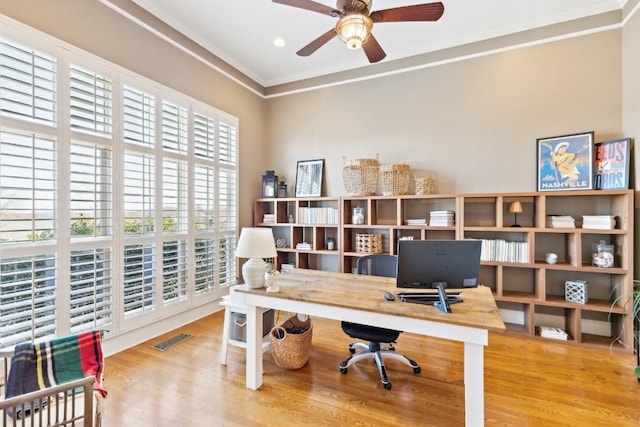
118,197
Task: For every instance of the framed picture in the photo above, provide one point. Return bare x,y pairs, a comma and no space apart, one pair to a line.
565,162
309,178
611,163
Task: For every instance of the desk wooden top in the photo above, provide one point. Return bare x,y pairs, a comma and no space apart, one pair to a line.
363,292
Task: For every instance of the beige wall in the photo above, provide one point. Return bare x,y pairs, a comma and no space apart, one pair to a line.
472,123
631,107
101,31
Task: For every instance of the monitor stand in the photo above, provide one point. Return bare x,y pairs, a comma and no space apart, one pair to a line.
443,304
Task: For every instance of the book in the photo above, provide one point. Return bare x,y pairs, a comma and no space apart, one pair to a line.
269,218
600,222
441,218
551,332
417,221
560,221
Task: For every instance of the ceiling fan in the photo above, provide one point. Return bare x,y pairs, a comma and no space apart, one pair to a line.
356,21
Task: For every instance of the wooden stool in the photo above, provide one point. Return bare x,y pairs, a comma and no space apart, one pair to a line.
233,307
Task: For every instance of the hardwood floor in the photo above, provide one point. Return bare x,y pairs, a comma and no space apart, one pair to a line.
527,383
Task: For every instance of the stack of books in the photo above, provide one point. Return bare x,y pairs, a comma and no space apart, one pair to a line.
417,221
551,332
499,250
286,266
320,215
269,218
304,246
441,218
560,221
599,222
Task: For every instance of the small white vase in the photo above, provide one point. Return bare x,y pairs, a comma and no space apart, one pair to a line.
270,280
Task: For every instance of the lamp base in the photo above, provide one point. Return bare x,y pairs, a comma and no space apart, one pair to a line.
253,273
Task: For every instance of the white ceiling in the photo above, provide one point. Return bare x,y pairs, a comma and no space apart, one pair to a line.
241,32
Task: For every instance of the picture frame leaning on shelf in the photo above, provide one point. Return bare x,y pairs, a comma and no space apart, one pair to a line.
309,178
565,162
611,163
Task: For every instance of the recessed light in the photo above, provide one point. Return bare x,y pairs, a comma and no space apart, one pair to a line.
279,42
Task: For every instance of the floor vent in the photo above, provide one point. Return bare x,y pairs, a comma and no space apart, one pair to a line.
171,342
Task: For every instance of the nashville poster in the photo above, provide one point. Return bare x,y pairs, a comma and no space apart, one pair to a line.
565,162
611,164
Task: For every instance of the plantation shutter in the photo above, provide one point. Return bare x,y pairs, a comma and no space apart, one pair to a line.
27,298
175,130
27,83
91,190
91,289
139,117
204,135
27,187
175,272
91,102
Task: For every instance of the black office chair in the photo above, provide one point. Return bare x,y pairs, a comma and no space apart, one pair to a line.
375,265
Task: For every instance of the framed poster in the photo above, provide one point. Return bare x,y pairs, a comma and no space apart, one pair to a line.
565,162
611,163
309,178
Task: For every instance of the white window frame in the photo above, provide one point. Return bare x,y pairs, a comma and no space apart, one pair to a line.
63,246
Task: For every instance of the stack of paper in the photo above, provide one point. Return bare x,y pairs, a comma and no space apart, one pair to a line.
551,332
304,246
417,221
441,218
269,218
600,222
560,221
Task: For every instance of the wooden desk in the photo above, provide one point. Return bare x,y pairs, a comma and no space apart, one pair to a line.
359,298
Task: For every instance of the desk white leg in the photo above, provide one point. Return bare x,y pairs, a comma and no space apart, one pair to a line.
474,384
225,336
254,347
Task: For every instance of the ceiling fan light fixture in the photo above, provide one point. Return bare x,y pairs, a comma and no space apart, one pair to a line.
354,29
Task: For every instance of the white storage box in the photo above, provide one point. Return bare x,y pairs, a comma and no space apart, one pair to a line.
238,328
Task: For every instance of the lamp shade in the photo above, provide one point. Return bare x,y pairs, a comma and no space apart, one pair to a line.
354,29
515,207
256,242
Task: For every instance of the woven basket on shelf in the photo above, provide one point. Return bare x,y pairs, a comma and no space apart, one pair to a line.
425,185
369,243
393,179
291,348
360,176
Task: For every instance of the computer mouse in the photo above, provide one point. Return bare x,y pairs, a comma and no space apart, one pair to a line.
389,296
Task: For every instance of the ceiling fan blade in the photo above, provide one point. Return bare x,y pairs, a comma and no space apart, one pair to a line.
310,5
373,50
317,43
418,12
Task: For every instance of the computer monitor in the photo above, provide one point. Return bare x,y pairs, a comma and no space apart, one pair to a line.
423,264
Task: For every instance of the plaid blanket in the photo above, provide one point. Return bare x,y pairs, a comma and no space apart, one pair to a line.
39,366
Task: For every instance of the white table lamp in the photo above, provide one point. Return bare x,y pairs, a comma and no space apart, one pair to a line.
255,244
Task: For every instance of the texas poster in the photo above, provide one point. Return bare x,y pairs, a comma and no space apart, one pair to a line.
611,164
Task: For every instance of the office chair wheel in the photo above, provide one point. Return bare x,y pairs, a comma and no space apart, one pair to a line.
343,370
387,386
415,366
